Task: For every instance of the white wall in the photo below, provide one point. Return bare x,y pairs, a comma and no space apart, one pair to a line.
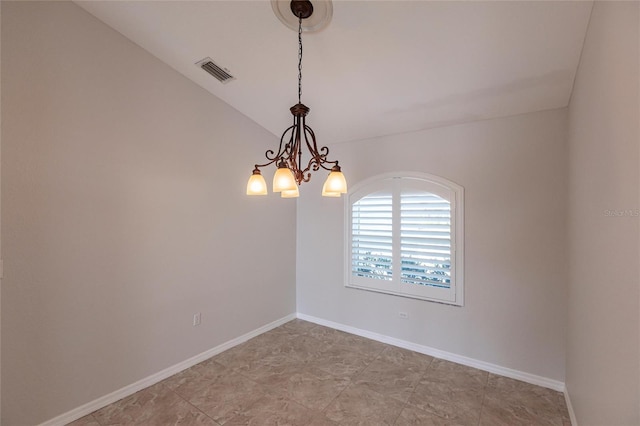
123,214
0,211
603,370
514,174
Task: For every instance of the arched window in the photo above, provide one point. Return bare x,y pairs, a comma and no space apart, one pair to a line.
405,237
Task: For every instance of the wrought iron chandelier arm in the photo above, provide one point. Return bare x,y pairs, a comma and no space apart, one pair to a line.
334,163
313,147
316,165
258,166
319,156
283,150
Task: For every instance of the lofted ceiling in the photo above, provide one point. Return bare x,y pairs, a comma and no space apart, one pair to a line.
379,67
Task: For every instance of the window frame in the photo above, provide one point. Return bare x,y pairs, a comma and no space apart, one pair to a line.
396,182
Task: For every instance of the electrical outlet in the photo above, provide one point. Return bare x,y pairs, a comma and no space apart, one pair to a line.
403,315
197,319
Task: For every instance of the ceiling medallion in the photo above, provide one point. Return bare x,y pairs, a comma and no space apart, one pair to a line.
322,14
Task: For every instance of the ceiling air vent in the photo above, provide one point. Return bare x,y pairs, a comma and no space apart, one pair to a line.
221,74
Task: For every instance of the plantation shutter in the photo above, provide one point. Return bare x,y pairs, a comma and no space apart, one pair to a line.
425,239
371,236
405,237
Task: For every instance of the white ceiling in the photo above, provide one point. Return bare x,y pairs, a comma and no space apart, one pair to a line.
379,68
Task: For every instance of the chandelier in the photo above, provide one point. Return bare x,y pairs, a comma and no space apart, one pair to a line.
289,156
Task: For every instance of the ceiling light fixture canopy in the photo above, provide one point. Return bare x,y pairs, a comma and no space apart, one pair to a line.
288,158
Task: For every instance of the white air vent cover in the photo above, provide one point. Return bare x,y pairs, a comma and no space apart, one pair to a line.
223,75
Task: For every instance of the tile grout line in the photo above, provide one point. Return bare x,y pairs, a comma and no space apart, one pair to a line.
351,383
406,403
484,396
323,411
234,370
414,391
189,402
290,358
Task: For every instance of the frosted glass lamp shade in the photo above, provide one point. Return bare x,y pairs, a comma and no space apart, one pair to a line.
326,193
284,180
256,184
335,183
294,193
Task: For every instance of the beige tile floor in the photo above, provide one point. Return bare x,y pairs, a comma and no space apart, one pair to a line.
306,374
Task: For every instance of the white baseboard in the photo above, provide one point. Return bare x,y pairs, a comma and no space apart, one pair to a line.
427,350
572,414
103,401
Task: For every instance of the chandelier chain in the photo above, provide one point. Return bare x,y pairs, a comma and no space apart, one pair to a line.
299,58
